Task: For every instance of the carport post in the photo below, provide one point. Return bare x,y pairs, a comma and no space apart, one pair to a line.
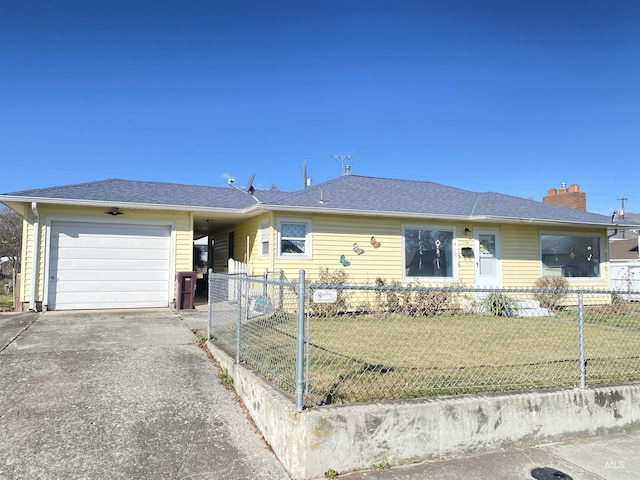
300,356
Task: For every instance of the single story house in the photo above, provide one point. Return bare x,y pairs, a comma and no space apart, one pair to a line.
120,243
624,259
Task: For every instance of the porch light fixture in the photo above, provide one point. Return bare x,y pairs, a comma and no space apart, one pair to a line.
467,230
114,211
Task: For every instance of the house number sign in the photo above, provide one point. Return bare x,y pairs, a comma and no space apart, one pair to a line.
325,296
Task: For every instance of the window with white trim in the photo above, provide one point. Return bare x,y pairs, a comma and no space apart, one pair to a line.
428,252
263,239
570,255
294,238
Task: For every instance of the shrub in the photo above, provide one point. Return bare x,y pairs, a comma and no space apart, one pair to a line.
388,300
413,303
556,289
499,305
618,306
428,303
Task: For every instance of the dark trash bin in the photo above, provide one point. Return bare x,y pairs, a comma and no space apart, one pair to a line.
186,290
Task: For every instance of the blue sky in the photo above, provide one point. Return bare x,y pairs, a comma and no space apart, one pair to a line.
508,96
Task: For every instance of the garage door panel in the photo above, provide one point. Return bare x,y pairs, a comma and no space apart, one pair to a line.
102,297
108,275
111,253
115,287
104,264
142,233
91,301
118,242
109,265
80,228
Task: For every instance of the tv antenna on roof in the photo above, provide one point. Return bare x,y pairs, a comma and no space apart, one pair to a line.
346,161
248,189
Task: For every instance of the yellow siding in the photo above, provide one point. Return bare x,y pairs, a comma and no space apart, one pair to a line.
241,231
333,236
520,255
27,253
184,239
260,264
183,260
466,265
521,265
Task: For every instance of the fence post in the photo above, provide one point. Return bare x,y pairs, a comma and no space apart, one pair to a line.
281,292
583,361
209,302
300,352
238,329
265,286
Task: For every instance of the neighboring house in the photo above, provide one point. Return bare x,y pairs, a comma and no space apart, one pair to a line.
5,267
625,266
119,243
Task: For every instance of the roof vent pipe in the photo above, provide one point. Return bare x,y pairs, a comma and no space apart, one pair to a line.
347,169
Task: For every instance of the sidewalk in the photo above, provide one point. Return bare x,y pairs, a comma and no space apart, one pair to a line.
610,457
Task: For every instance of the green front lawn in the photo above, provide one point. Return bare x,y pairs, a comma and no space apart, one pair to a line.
366,358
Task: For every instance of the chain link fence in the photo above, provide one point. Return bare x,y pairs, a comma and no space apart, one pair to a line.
255,319
336,343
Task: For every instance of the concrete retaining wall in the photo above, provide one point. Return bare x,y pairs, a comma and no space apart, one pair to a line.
354,437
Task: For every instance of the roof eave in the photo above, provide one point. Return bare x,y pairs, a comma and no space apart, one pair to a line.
545,221
356,212
469,218
252,209
136,205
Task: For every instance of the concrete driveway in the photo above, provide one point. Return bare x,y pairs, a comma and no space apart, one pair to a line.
119,394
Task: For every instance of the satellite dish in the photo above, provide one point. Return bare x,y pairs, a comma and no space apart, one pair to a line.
249,187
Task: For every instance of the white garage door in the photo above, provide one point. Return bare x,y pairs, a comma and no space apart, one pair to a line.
103,265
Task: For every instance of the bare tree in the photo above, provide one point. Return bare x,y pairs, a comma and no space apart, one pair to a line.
10,236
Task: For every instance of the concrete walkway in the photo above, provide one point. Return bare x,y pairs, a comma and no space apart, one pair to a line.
118,395
609,457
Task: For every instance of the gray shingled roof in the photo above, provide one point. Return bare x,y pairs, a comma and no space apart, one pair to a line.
375,195
151,193
351,193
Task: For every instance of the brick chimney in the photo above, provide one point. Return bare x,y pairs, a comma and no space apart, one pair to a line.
570,197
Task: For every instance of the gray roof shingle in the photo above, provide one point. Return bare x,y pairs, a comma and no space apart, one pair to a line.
375,195
352,193
119,191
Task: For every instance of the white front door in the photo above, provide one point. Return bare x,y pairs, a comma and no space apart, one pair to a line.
488,258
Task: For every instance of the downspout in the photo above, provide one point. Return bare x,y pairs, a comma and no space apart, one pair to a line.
34,257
